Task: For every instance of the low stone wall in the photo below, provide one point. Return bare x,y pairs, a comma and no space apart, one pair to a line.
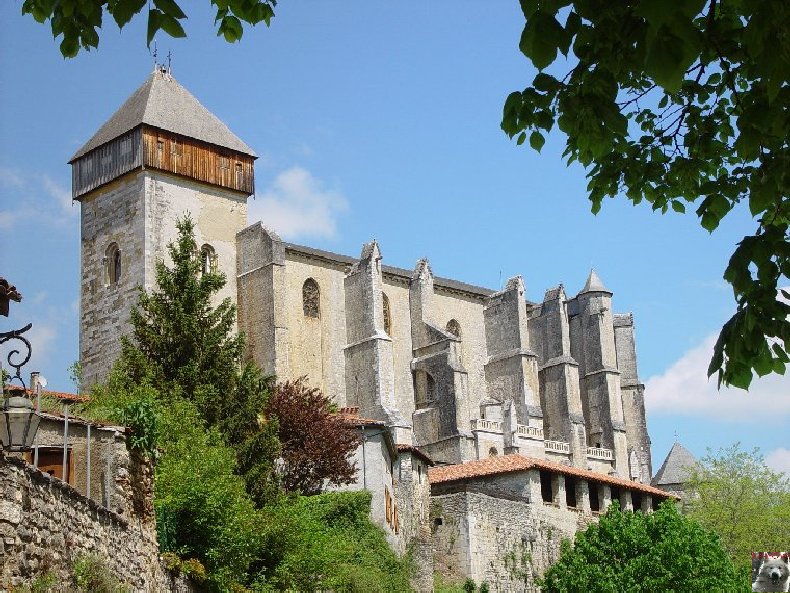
45,524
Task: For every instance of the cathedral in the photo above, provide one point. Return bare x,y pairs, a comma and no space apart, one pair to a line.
531,414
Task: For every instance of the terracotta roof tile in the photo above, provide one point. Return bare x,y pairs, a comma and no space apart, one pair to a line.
351,416
515,463
403,447
61,395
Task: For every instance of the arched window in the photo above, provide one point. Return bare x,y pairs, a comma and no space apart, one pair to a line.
311,299
112,259
208,259
387,314
454,328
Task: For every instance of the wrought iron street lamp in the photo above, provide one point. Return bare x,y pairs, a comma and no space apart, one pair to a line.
18,418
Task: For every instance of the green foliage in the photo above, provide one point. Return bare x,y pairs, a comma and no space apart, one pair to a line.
78,23
75,374
327,542
733,493
637,552
46,582
92,575
678,104
198,496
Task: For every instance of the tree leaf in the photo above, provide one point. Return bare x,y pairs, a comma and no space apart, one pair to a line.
536,140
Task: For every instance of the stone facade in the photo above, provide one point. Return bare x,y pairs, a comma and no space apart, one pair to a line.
46,524
137,214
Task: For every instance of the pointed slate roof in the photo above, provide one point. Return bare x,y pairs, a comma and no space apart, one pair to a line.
595,284
163,103
675,469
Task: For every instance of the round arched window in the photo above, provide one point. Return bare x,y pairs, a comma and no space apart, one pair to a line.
112,259
311,299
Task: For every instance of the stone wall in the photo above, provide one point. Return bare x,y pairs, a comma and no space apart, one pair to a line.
45,525
503,542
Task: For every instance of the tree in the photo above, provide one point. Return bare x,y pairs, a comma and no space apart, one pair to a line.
660,551
677,104
736,495
78,23
316,444
186,347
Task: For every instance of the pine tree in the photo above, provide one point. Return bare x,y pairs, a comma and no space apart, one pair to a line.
185,347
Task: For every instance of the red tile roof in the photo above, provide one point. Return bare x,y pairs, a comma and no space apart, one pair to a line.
516,463
403,447
61,395
351,416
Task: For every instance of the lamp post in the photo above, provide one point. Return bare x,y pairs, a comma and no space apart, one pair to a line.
18,418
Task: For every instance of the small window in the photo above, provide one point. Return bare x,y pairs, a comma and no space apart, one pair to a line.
387,315
175,149
112,259
545,487
160,151
492,452
208,259
224,163
311,299
454,328
239,175
570,492
595,501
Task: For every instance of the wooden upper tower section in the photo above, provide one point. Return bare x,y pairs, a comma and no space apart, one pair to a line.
162,126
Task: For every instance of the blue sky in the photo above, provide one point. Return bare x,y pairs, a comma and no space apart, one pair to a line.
380,120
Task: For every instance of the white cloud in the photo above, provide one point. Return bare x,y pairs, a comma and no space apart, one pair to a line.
779,460
296,205
38,198
61,195
684,389
10,178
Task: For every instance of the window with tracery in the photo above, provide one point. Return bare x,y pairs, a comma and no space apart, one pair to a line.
454,328
387,314
311,299
112,258
208,259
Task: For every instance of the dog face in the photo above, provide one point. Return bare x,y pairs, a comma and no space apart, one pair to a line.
773,574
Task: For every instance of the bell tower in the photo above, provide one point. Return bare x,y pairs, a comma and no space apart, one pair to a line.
160,156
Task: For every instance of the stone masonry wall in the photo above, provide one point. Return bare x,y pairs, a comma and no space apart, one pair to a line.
504,543
45,525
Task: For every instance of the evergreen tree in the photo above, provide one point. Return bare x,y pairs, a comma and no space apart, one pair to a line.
186,347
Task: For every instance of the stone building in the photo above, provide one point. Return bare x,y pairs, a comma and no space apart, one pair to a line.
453,373
674,473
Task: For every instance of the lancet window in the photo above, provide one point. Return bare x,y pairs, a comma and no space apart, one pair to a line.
311,299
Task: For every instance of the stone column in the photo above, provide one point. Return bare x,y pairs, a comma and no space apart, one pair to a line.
606,497
558,491
626,502
647,503
583,496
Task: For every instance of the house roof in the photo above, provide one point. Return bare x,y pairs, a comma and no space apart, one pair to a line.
351,416
162,103
676,466
59,395
516,463
405,448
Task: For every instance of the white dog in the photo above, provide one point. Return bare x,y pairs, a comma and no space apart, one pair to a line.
773,573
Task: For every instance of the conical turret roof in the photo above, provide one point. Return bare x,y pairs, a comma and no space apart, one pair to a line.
163,103
595,284
676,467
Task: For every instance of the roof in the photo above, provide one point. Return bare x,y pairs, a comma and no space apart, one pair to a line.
405,448
516,463
351,416
61,395
676,467
594,284
402,273
163,103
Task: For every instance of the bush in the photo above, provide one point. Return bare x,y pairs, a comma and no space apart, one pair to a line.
327,542
92,575
637,552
